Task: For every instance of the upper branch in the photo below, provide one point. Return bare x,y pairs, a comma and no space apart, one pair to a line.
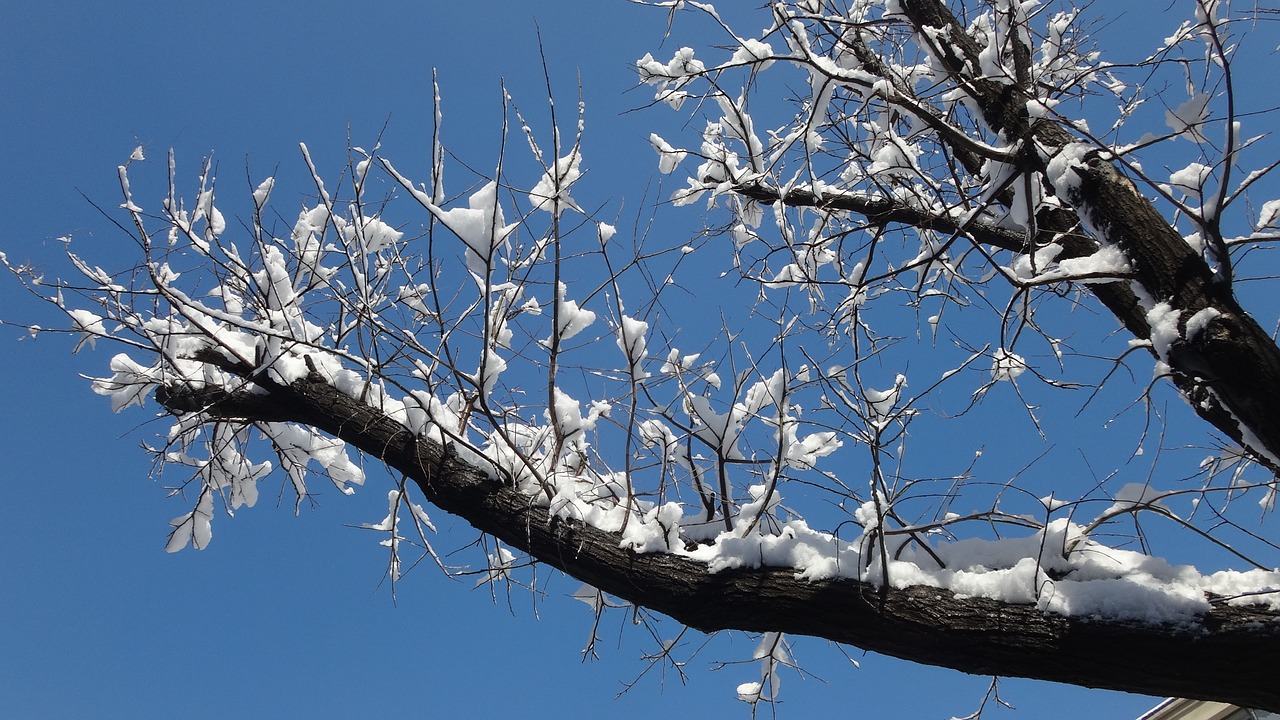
882,210
1224,363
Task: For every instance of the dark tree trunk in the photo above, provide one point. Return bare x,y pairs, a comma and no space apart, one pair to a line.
1230,372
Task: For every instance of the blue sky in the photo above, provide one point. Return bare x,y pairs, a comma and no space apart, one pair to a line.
286,616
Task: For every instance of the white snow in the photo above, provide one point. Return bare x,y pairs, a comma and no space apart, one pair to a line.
490,368
372,234
481,226
1060,171
129,384
552,191
298,446
1163,319
668,157
263,192
1042,266
1007,365
754,51
1108,262
1192,179
1198,322
89,325
803,452
1189,117
1097,581
570,318
1136,495
632,342
1269,214
500,564
881,402
682,64
194,528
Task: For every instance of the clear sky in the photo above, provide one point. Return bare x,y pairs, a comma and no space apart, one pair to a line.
285,616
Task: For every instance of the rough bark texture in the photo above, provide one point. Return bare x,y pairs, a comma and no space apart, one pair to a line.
883,211
1229,372
1227,655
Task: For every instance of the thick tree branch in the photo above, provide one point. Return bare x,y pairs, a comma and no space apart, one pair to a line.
1230,371
883,210
1227,655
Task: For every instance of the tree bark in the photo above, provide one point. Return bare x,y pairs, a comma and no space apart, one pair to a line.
1227,654
1229,372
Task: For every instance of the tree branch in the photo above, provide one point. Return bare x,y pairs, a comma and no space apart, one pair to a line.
1229,372
882,210
1226,655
